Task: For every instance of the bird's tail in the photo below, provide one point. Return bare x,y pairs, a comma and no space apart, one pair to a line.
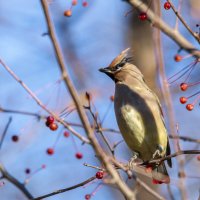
160,174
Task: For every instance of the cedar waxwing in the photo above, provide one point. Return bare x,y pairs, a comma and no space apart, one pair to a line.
139,115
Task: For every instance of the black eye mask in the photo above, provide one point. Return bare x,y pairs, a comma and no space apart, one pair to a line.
123,62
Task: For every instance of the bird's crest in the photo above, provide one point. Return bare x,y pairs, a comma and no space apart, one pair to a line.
119,58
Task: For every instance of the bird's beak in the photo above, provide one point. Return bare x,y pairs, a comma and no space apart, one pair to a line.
102,70
107,71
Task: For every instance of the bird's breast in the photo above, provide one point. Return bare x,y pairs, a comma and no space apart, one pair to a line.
130,124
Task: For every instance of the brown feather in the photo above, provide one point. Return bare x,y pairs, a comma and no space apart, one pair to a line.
119,58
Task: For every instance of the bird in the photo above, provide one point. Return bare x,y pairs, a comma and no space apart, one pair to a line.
139,115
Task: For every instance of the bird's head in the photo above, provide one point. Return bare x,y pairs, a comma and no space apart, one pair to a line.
121,67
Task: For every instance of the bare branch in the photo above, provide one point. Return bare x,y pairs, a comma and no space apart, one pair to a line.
15,182
98,127
65,189
5,131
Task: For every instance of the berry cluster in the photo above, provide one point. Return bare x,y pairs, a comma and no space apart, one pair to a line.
50,122
68,12
183,100
184,86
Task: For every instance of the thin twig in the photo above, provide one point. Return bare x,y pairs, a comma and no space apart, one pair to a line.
94,167
15,182
5,131
35,115
196,36
21,112
98,127
65,189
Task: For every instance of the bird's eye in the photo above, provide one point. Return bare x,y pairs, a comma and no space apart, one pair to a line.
120,65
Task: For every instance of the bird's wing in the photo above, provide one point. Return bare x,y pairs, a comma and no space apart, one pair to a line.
168,149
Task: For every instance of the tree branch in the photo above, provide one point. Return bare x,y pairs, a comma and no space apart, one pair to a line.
65,189
15,182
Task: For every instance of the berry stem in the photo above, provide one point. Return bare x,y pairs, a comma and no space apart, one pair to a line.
57,138
184,70
193,95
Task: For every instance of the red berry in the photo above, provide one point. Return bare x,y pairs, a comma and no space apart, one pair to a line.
50,119
184,86
43,166
27,171
15,138
183,100
178,58
99,174
74,2
66,134
53,126
79,155
87,196
85,4
68,13
112,98
142,16
189,107
50,151
167,5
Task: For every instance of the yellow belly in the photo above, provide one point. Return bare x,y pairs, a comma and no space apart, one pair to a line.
136,134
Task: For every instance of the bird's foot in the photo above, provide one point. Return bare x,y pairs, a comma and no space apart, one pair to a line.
158,152
135,160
